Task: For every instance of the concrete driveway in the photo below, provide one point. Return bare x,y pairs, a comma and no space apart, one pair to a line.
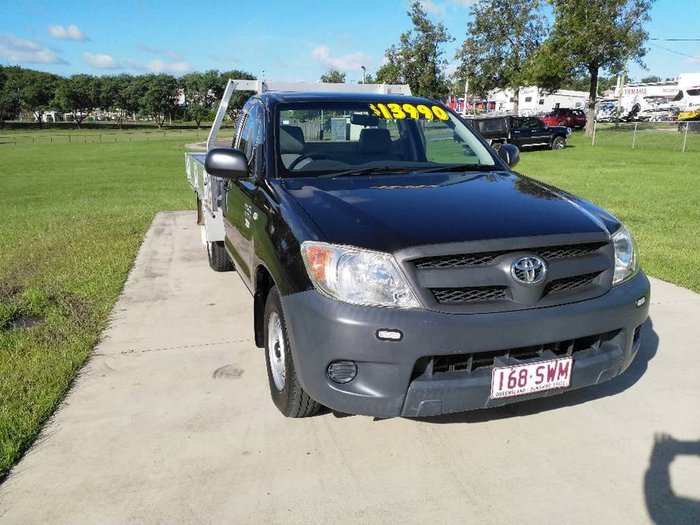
171,422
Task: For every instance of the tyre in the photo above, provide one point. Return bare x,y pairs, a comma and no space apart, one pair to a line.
558,143
285,389
219,261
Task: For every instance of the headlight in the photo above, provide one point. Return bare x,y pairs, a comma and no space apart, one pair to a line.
357,276
625,255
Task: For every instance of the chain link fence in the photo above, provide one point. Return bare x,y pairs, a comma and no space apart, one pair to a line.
665,135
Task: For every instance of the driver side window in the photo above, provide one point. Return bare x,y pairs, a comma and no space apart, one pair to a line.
251,135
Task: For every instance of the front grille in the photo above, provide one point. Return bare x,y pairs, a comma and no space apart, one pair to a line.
465,295
571,250
569,284
456,261
474,361
480,259
477,281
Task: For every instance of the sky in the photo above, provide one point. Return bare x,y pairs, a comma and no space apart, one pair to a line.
272,39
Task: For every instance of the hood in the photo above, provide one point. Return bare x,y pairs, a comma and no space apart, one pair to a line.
393,212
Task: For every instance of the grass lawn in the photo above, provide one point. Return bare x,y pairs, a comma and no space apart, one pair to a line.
72,217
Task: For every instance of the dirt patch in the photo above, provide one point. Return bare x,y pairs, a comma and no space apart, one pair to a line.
21,321
9,291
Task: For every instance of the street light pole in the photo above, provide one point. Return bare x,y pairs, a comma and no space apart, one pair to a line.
466,94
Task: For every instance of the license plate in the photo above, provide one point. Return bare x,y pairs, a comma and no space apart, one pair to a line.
518,380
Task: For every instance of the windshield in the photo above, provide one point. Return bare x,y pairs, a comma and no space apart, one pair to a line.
327,138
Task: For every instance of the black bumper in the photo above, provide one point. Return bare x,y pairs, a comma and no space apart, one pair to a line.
323,330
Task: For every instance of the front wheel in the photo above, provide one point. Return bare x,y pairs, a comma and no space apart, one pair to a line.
558,143
285,388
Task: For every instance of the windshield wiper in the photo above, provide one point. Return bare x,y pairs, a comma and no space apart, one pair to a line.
461,167
414,170
368,171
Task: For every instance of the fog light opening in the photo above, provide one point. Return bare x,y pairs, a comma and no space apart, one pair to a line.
641,301
637,332
342,372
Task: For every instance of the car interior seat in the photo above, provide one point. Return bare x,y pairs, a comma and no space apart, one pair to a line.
292,144
375,144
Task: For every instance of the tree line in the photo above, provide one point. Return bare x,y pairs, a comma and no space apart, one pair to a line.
553,44
156,96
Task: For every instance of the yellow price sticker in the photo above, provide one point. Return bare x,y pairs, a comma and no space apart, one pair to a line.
395,110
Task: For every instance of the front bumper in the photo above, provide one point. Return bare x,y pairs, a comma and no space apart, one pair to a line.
322,330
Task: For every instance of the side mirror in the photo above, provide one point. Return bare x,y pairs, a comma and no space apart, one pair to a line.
509,153
227,163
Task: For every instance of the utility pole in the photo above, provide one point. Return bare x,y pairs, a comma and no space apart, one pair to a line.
620,87
466,94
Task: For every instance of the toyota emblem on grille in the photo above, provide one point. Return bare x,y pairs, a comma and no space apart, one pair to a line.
529,270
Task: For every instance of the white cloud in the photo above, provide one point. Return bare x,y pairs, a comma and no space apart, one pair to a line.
18,50
433,8
451,68
173,55
463,3
172,67
349,61
71,32
159,66
100,61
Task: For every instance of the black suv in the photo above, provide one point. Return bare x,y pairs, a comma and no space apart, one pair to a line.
523,132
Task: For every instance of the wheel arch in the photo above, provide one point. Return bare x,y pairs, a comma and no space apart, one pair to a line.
263,284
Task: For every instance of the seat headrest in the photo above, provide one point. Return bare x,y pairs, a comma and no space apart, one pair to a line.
291,139
375,140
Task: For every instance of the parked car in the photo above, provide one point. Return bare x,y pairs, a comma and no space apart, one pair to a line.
571,118
523,132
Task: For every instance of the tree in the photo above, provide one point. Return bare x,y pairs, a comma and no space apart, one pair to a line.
582,82
36,91
369,79
391,72
593,36
418,60
9,94
120,95
503,36
79,95
202,90
651,78
159,97
333,77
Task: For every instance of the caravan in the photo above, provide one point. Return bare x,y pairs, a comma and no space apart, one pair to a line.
660,100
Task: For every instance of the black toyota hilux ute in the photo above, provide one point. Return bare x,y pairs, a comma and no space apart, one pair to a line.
399,267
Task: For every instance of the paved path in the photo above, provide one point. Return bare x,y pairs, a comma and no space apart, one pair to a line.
171,422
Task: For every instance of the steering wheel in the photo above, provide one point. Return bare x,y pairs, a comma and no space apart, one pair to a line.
302,157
